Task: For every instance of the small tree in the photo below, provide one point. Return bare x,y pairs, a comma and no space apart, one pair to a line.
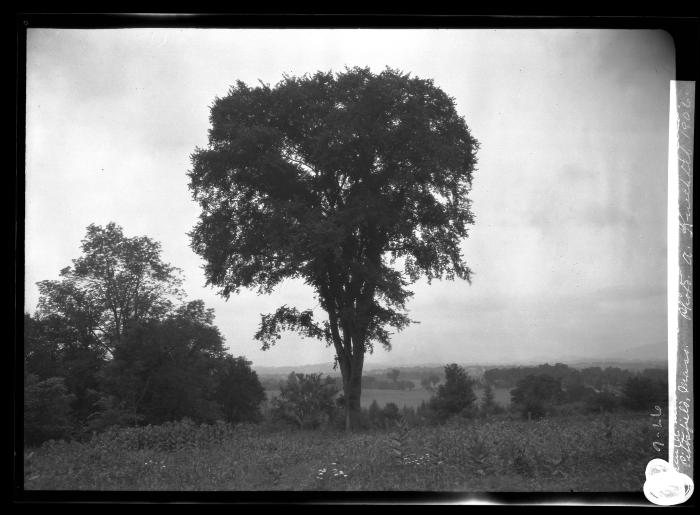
239,391
536,394
408,414
488,403
393,374
374,414
390,414
455,396
307,400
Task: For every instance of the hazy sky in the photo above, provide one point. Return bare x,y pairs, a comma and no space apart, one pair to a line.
569,246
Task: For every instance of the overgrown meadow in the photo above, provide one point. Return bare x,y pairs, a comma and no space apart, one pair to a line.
602,453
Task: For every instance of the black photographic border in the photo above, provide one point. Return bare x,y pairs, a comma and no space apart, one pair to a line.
683,29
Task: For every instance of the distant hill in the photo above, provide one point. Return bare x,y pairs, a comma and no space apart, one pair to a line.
632,358
327,368
648,352
635,358
625,365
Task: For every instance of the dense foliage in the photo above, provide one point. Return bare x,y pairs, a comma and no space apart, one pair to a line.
47,409
332,178
239,392
385,417
488,405
164,370
113,343
306,400
455,396
643,392
597,377
536,393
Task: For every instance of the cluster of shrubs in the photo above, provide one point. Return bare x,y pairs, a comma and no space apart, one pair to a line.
306,401
537,396
159,371
312,401
561,390
233,396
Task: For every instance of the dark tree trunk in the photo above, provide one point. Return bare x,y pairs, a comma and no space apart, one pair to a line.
348,334
352,389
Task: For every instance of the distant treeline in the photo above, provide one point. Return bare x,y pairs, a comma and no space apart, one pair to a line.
405,378
377,383
368,382
593,377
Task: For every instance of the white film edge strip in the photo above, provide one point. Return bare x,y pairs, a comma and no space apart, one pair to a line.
680,247
671,482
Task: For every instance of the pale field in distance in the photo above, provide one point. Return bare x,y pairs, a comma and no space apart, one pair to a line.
413,398
410,398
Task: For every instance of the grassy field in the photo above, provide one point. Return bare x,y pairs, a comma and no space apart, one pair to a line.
560,455
410,398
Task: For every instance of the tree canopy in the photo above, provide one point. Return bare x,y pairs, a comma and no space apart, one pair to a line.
334,178
116,281
166,369
535,394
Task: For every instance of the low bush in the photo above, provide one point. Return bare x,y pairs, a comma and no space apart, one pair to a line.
47,411
306,400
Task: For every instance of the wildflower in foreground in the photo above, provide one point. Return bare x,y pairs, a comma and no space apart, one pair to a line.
335,471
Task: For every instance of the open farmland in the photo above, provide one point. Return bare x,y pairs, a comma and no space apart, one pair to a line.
413,398
410,398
